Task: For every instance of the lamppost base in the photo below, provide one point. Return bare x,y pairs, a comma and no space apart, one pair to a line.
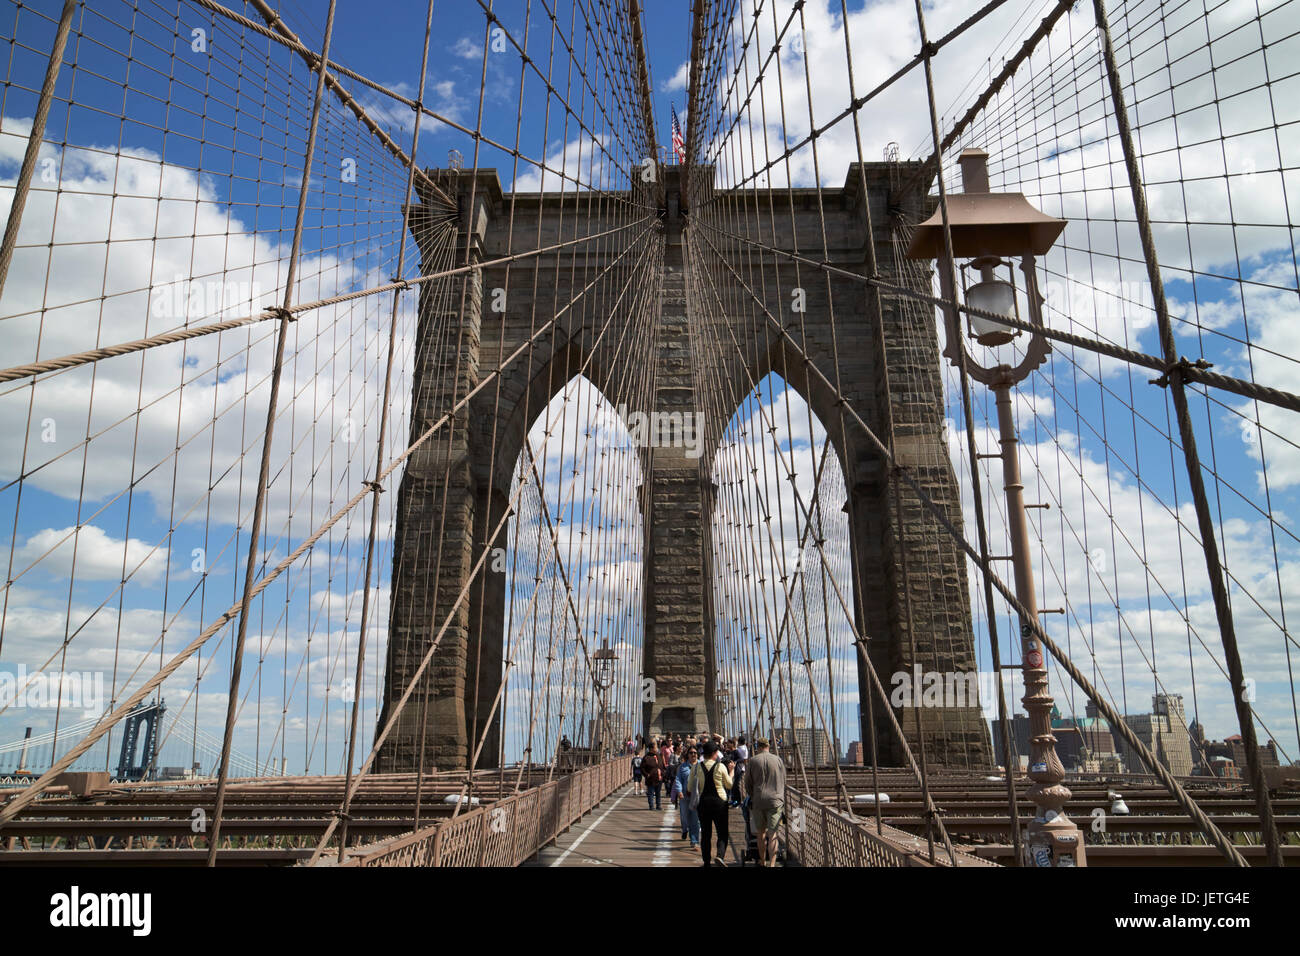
1054,842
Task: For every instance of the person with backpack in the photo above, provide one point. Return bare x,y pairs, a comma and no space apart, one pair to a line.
687,807
711,780
652,772
636,771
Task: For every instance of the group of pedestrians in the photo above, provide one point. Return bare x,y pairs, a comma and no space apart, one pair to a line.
706,777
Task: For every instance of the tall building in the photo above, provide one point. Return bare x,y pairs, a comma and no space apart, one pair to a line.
815,746
1165,733
1084,744
1019,741
1267,752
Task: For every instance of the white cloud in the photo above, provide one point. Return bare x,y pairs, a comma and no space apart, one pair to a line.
579,164
192,405
467,49
678,80
93,554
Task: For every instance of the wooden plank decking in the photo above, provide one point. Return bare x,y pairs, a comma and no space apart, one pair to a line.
623,831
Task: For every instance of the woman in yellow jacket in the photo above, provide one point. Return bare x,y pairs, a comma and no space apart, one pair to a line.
711,779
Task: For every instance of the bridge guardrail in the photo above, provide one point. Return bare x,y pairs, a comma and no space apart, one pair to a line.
506,832
818,834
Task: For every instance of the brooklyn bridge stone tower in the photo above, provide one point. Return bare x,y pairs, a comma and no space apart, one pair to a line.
453,494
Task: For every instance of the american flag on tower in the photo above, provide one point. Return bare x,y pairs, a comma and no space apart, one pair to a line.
679,145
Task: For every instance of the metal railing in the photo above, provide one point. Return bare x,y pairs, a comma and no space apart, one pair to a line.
506,832
817,834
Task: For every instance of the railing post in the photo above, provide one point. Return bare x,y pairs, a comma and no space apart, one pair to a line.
482,840
540,839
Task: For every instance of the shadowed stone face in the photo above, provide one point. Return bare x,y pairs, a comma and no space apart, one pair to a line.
455,490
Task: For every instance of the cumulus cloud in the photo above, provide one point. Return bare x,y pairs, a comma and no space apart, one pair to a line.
467,49
679,79
92,554
580,164
154,455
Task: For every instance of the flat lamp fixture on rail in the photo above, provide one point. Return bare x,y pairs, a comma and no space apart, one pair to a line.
991,231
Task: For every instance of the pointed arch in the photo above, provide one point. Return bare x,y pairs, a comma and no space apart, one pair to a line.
784,622
571,575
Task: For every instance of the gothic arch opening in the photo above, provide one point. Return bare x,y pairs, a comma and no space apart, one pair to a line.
573,627
783,589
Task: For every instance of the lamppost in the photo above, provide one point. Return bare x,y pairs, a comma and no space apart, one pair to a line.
603,663
991,231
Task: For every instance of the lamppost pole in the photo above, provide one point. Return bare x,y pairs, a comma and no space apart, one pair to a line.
984,227
1050,827
604,662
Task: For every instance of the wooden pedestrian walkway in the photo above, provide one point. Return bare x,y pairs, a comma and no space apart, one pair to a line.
623,831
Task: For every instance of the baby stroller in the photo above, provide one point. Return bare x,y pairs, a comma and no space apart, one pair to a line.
751,838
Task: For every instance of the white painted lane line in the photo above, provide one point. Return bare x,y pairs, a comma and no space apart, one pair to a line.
671,827
582,836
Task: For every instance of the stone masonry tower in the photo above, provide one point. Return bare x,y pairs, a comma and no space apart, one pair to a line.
678,586
455,490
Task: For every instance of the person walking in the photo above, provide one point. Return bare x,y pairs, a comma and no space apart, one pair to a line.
764,784
636,771
741,756
681,796
652,772
711,778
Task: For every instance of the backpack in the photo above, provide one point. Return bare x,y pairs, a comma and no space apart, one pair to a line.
636,763
653,769
695,794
